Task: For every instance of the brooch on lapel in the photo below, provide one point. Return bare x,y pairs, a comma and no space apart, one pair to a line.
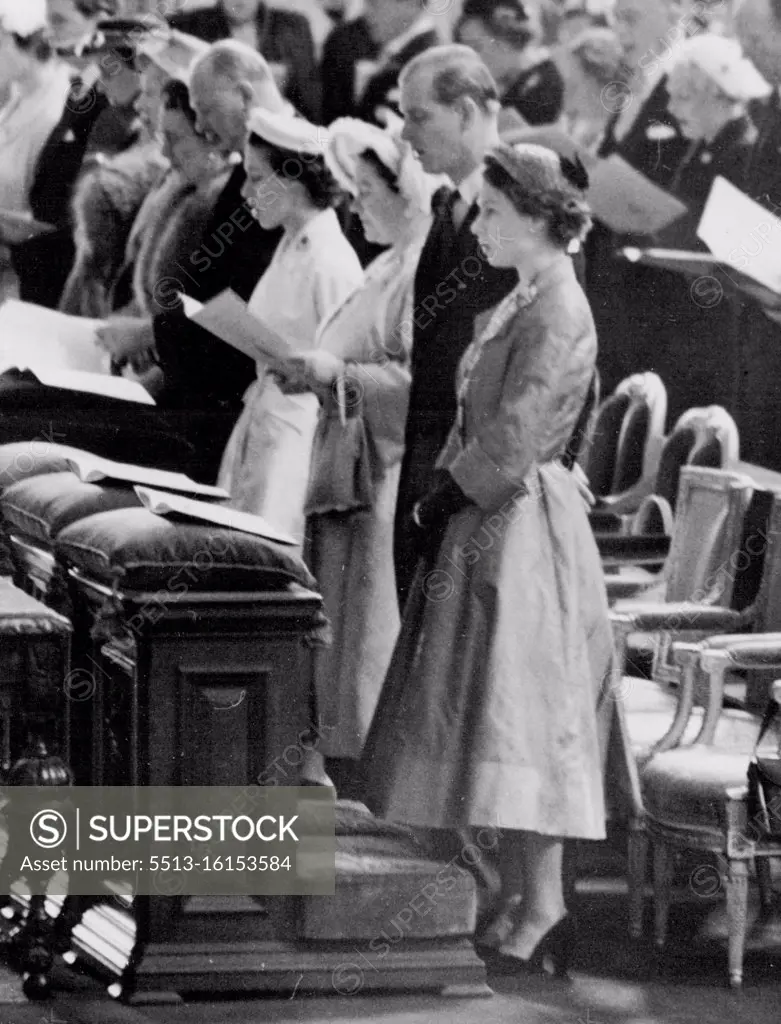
659,132
532,82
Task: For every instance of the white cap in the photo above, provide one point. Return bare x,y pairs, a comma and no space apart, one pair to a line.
722,60
348,138
23,17
286,130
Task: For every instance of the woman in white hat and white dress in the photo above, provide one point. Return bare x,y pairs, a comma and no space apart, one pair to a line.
360,368
265,467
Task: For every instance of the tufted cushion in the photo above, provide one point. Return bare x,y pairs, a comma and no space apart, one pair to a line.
139,551
24,459
40,507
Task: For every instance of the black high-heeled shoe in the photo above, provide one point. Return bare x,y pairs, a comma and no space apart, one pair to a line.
552,954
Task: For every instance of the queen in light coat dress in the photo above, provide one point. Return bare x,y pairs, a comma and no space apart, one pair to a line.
488,715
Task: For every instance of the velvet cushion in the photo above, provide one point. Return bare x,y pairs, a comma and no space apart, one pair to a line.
139,551
40,507
23,459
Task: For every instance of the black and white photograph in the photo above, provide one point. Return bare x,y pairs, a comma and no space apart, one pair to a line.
390,510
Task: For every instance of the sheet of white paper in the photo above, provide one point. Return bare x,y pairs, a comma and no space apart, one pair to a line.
627,201
190,305
31,334
162,503
742,234
94,383
227,317
92,468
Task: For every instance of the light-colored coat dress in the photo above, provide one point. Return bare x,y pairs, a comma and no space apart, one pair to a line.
488,715
265,467
351,552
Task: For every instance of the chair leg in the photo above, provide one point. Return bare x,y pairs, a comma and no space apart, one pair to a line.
638,861
737,912
663,881
765,884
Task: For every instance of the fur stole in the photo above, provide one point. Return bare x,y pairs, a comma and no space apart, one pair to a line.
176,218
106,200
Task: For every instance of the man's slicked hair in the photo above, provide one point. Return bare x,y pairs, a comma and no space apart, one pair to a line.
456,72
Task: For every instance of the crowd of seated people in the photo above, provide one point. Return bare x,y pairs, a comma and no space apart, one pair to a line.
441,347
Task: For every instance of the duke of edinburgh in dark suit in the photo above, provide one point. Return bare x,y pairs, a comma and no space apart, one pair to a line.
454,284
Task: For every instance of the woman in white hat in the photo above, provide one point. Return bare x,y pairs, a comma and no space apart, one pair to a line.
265,467
360,368
33,89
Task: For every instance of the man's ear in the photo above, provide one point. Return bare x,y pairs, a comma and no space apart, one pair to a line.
467,111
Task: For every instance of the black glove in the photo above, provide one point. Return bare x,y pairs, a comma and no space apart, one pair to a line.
432,512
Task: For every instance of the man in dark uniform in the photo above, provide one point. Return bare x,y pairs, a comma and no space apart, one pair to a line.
451,132
99,118
284,38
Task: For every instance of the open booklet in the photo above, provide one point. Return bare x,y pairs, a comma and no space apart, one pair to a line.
742,234
32,335
164,504
18,227
228,318
93,469
745,243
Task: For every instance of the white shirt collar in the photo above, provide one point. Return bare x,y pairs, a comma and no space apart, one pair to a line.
425,23
469,189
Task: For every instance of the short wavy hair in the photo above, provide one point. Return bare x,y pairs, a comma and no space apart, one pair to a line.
308,170
600,55
539,186
456,72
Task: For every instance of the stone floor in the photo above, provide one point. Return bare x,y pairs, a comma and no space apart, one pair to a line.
614,982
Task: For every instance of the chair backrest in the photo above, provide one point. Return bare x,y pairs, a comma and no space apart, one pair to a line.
704,436
707,535
626,438
710,511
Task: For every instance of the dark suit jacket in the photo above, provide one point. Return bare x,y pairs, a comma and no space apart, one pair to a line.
344,47
284,38
452,287
88,125
199,369
380,88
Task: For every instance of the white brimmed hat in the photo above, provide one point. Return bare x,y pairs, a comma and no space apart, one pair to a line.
23,17
286,130
722,60
348,138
